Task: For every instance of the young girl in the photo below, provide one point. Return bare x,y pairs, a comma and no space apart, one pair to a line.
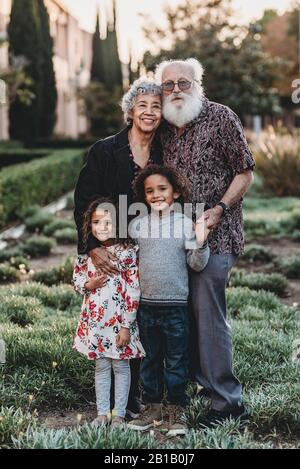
168,244
107,331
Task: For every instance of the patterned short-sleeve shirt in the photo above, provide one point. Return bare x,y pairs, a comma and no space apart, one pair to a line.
210,153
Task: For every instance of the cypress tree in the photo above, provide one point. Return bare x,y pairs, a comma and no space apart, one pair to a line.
114,68
25,40
98,71
48,84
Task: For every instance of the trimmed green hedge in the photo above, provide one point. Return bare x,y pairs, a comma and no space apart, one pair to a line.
18,156
38,182
65,143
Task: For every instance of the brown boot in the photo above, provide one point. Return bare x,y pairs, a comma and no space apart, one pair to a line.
151,417
177,425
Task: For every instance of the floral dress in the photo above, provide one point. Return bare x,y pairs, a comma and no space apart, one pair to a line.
107,309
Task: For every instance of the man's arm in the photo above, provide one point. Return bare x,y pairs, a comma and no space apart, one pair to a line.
237,189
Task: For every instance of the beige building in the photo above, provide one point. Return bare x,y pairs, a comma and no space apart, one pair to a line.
4,15
72,63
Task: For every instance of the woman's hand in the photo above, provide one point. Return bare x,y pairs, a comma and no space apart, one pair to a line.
123,337
103,260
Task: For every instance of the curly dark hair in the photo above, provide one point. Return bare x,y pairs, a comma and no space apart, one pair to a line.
179,182
87,220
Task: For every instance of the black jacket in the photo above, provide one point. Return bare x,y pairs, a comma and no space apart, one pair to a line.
108,172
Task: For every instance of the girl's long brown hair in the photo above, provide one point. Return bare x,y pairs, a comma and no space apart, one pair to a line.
87,221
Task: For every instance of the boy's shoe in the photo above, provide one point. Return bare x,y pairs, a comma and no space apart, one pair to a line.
151,417
217,417
134,408
100,421
118,422
177,425
202,392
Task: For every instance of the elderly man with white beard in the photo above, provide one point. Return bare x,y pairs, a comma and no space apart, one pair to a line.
205,141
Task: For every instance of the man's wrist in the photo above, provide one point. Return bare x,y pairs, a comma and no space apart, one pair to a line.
223,207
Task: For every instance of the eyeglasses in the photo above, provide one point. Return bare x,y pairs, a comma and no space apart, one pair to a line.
183,85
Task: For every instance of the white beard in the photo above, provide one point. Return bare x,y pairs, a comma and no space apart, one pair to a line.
182,112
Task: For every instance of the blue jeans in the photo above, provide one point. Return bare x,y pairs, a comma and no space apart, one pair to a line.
164,335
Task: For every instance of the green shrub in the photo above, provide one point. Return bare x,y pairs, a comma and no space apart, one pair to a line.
10,145
30,211
260,228
276,405
19,310
14,257
278,162
17,156
38,221
61,143
60,297
59,274
57,224
19,262
7,254
38,246
292,222
255,253
38,182
8,273
275,283
13,423
70,202
84,437
66,236
295,235
238,298
29,387
291,267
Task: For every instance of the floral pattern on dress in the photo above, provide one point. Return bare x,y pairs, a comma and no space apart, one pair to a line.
105,310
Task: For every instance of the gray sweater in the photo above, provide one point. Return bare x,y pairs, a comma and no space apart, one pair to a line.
167,245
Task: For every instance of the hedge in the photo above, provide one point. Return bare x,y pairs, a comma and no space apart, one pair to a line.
18,156
38,182
66,143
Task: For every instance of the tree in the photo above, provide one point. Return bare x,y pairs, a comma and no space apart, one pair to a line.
48,84
279,38
103,94
237,71
115,78
101,106
25,41
98,72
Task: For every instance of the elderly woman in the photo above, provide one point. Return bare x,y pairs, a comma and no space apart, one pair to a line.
111,167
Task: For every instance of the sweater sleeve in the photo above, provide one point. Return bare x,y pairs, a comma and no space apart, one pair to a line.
129,273
80,274
197,255
89,186
197,259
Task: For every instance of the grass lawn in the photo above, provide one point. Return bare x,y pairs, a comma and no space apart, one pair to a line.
47,389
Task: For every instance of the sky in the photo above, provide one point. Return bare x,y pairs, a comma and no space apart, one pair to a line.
130,23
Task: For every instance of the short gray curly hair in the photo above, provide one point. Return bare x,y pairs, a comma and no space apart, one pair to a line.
142,85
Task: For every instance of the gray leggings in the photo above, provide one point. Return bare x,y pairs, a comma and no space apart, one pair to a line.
121,370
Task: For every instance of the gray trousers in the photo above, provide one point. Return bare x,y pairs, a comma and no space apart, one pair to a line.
121,369
212,364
